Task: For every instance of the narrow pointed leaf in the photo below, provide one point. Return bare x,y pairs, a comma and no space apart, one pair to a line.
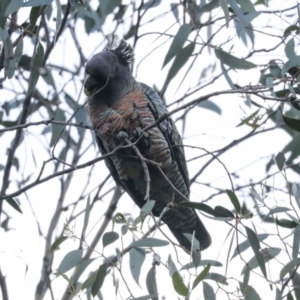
146,209
280,160
254,242
268,254
290,52
12,202
292,123
249,292
101,274
179,285
203,262
149,242
180,60
208,292
232,61
296,244
224,6
37,63
288,268
223,212
59,241
217,278
199,206
278,294
296,285
151,283
151,296
87,214
246,244
136,259
178,42
201,276
234,200
207,104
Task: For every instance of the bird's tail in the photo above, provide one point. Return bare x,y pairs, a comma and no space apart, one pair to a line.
201,234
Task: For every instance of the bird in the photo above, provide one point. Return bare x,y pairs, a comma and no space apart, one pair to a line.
125,112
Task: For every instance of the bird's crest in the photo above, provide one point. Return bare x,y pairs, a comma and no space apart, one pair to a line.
121,48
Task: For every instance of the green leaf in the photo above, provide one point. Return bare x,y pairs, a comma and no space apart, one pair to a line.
295,190
290,29
290,52
223,212
278,294
178,42
9,60
289,267
249,292
268,254
254,242
56,129
171,266
151,296
234,200
34,15
30,3
246,5
87,214
88,282
136,259
179,285
208,292
101,274
286,223
151,283
180,60
280,160
12,7
109,238
207,104
59,241
37,63
14,204
224,6
3,34
19,50
197,205
217,278
146,209
232,61
203,262
196,254
149,242
246,244
208,7
296,285
292,123
80,269
201,276
71,260
58,15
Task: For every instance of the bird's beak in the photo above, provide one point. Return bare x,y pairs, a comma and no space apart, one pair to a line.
89,82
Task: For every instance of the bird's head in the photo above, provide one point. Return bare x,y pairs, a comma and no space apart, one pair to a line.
109,72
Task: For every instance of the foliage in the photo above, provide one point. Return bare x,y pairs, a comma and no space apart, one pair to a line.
214,63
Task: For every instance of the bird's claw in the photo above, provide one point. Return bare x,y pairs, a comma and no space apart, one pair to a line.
122,135
143,136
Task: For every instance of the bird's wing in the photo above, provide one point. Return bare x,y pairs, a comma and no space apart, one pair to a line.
169,131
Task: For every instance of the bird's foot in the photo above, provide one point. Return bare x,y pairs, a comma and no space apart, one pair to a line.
143,137
122,135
